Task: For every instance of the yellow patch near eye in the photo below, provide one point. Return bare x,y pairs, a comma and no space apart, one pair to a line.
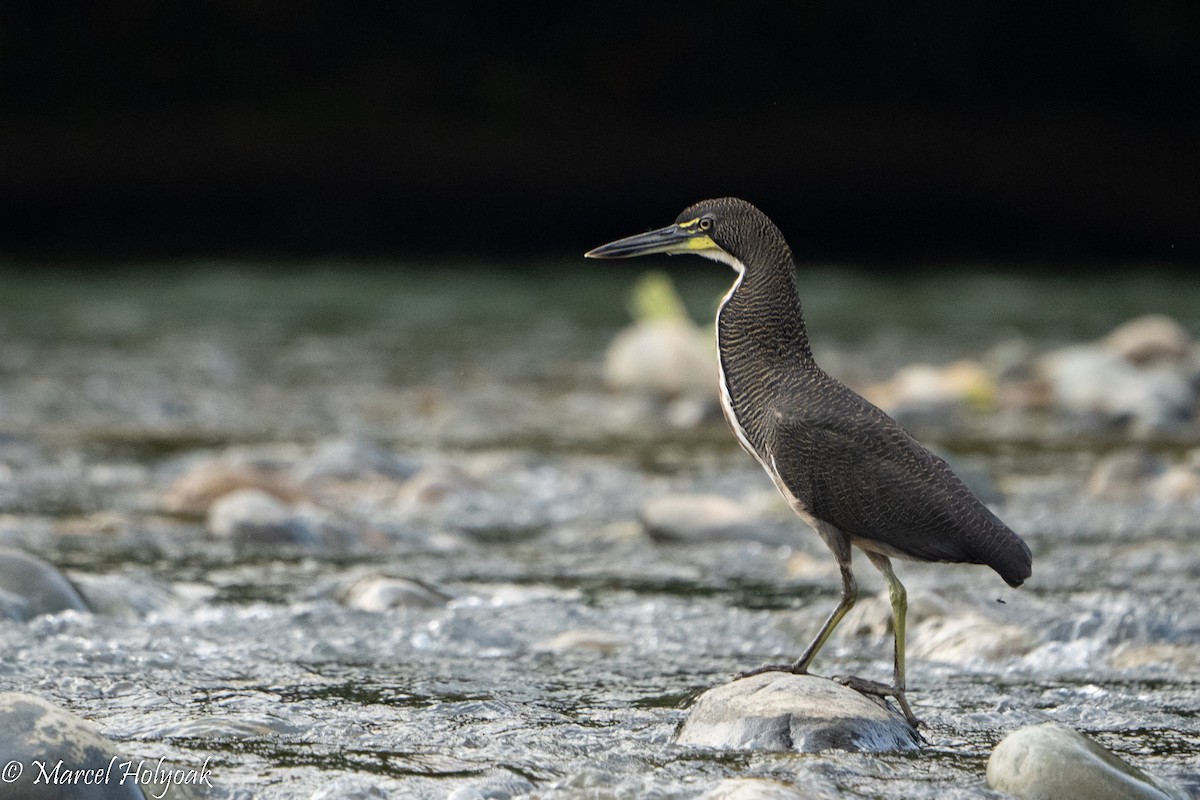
691,223
701,242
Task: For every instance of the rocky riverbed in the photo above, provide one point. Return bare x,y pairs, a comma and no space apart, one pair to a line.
418,532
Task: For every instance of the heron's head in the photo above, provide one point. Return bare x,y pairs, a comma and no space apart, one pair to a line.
725,229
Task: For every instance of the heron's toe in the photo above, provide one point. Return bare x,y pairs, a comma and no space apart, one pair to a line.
791,669
879,690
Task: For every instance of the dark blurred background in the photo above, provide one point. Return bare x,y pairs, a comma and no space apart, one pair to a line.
875,131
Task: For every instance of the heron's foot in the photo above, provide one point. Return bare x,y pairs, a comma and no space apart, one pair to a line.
879,690
791,669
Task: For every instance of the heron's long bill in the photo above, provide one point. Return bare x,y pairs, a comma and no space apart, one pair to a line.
671,239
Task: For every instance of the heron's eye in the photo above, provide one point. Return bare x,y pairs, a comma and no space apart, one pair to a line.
705,223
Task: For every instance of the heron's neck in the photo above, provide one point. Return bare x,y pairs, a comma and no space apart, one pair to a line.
761,314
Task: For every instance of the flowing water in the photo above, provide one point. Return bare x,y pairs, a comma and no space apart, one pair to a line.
558,645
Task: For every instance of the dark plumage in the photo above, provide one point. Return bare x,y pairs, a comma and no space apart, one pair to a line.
844,465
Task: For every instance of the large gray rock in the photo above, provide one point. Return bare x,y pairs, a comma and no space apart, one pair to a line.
968,638
252,517
194,492
1149,339
1137,473
780,711
131,595
1091,380
30,586
1160,656
920,391
1180,483
1125,473
698,518
582,640
668,357
662,353
1052,762
48,753
381,592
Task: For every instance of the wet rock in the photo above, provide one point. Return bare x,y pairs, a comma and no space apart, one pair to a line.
38,732
253,517
379,593
968,638
30,586
918,390
698,518
1153,338
779,711
582,639
1178,484
662,352
1050,762
194,492
1130,474
354,459
1092,380
131,595
1178,658
1125,473
666,357
766,789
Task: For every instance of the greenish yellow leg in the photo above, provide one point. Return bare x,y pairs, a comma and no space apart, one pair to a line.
899,598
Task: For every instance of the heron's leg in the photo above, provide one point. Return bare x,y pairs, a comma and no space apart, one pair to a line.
840,545
899,600
849,596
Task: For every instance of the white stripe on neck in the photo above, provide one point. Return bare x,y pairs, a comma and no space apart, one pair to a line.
726,400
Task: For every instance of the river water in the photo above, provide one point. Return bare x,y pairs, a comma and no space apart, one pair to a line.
450,427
